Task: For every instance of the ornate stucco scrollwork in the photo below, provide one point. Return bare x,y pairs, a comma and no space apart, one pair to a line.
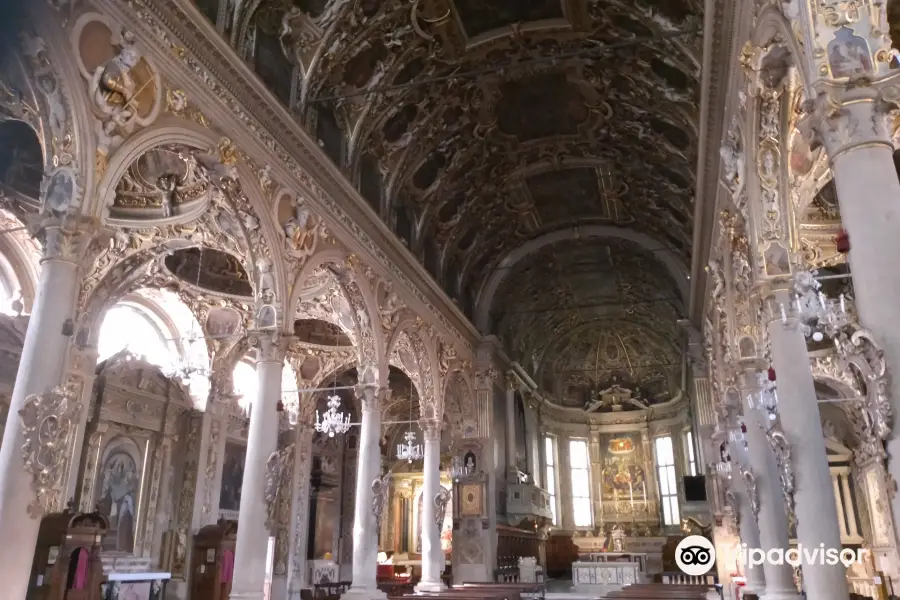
380,491
276,465
732,503
782,451
860,354
752,491
48,422
440,504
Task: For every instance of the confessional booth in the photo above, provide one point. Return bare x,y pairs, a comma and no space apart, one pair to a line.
67,563
212,561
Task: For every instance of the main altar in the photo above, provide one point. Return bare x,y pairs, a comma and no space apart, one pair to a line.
608,571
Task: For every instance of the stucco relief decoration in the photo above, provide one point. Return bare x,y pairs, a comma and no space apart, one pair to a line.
782,451
734,159
48,422
861,356
123,86
276,465
485,378
752,492
63,141
303,230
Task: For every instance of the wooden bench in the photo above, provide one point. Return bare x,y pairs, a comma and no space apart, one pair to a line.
529,589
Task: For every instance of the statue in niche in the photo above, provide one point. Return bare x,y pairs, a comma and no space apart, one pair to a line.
117,501
470,462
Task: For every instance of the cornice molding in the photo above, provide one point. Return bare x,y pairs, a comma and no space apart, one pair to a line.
720,51
272,135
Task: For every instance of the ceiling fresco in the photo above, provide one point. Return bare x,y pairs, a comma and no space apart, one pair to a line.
494,122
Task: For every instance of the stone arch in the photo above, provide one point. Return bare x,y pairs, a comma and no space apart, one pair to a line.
772,25
504,267
64,121
19,258
370,342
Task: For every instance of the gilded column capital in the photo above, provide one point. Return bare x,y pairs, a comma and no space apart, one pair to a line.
843,120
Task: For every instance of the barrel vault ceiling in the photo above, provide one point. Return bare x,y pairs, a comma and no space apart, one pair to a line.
478,128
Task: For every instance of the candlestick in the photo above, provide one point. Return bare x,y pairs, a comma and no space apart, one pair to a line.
783,314
843,307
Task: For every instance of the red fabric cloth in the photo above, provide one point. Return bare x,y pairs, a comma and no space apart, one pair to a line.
81,569
227,566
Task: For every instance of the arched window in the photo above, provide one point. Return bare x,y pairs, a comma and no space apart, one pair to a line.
245,384
130,326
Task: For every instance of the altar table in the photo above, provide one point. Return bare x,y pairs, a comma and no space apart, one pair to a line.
608,572
135,586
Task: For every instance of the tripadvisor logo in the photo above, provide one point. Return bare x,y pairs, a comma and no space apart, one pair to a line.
695,555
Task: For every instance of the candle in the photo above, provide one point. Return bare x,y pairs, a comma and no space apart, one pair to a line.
797,303
822,299
843,306
783,314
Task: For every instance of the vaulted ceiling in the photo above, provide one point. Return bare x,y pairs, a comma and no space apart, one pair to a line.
477,128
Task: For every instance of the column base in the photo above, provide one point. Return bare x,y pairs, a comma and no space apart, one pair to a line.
780,595
247,595
430,586
355,593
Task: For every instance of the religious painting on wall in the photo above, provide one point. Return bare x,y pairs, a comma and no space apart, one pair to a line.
118,498
849,55
623,476
232,476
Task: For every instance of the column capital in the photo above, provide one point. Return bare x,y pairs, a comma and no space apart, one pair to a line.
485,377
431,429
844,119
68,239
270,346
370,396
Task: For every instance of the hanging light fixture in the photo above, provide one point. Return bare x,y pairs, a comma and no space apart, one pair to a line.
333,421
818,315
459,469
410,451
187,367
765,399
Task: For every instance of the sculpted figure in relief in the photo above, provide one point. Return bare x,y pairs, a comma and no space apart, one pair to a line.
299,229
112,87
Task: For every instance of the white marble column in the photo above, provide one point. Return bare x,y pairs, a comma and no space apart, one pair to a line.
771,518
432,555
860,149
298,573
747,525
799,416
41,368
365,528
512,465
251,550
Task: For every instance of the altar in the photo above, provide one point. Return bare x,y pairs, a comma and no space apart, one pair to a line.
606,572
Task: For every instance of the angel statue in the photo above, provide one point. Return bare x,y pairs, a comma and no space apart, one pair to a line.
380,488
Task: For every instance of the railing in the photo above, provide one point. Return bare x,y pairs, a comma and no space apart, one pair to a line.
682,579
863,586
507,570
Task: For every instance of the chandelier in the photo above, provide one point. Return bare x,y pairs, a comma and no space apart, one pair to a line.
458,469
333,422
818,315
410,450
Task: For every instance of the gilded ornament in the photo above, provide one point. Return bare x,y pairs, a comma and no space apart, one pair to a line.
48,423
